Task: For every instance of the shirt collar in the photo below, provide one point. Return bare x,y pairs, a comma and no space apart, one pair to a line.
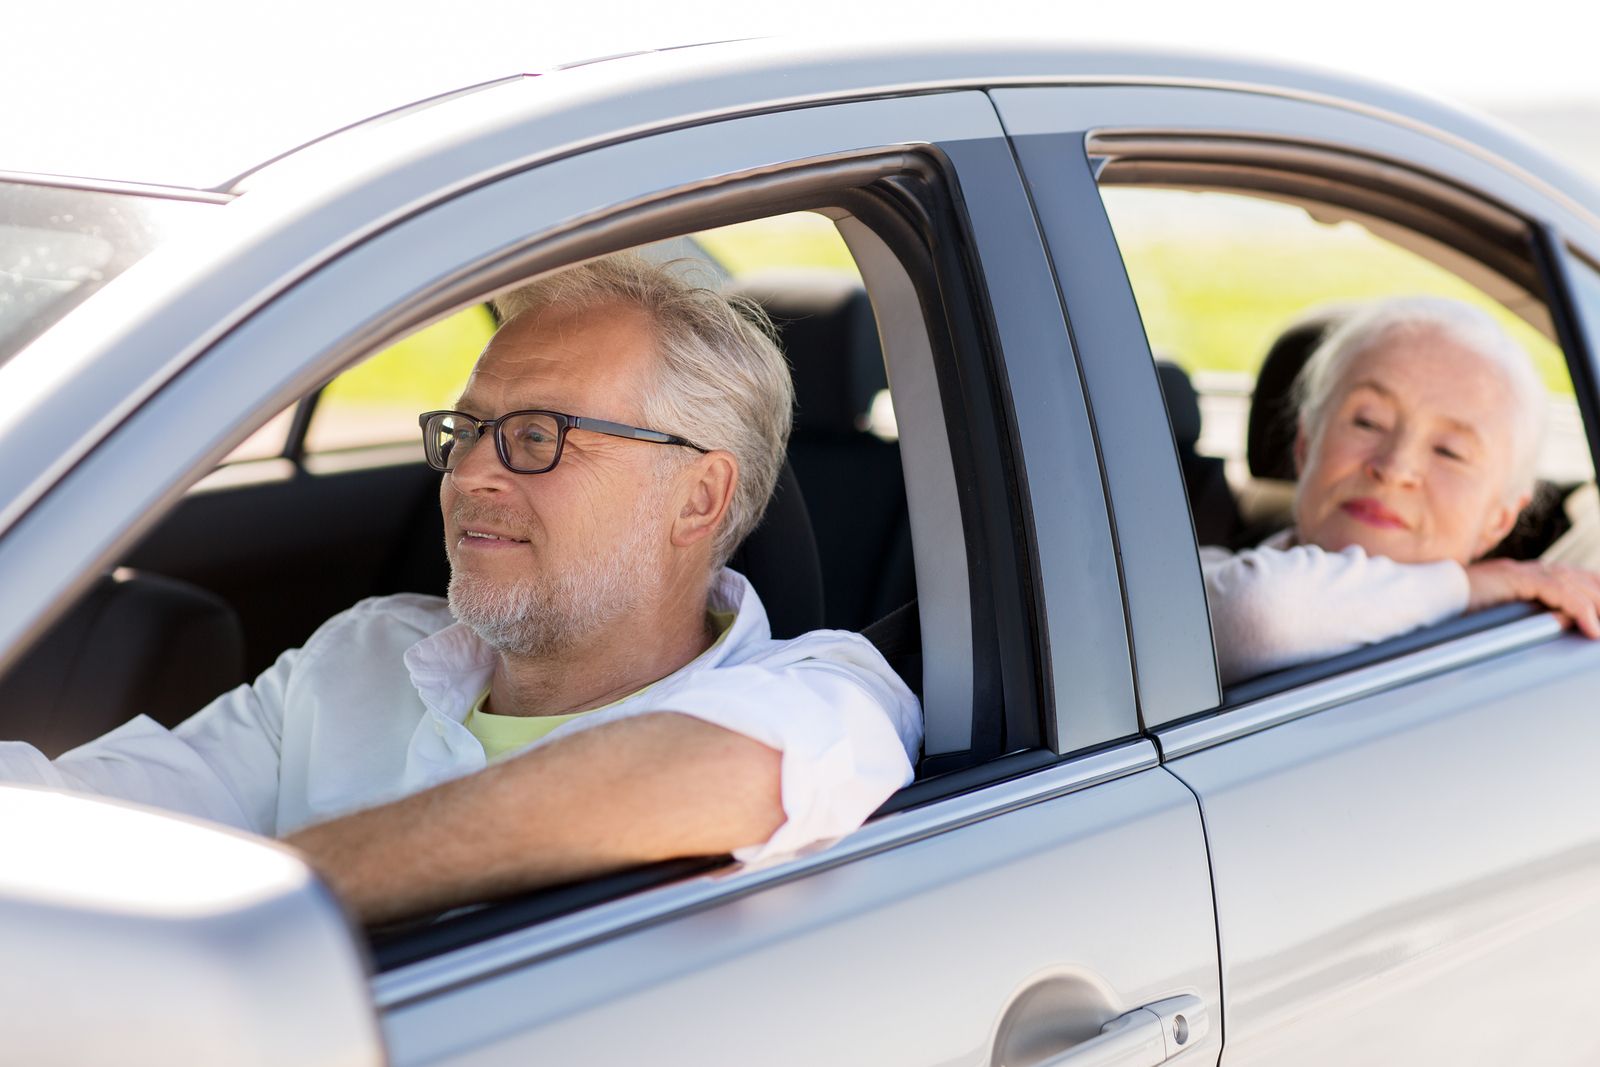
451,667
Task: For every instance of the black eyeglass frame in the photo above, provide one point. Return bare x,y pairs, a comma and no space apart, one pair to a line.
564,423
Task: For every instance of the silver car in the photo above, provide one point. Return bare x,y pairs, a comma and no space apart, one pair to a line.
1107,858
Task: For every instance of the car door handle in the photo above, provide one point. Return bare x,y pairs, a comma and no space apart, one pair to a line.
1143,1037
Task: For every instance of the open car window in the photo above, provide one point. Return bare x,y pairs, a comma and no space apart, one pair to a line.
329,502
1237,281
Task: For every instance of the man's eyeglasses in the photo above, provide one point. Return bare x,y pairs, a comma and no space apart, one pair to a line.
527,442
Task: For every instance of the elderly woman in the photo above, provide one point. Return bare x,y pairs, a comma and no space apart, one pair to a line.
1419,427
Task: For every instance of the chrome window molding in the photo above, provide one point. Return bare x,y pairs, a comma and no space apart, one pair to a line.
405,985
101,185
1232,723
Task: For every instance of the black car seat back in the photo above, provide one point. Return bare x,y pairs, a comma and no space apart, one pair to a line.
134,644
1211,503
780,559
850,478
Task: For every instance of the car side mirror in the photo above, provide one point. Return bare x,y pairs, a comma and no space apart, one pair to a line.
135,937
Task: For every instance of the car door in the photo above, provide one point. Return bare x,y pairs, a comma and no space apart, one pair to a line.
1046,877
1403,848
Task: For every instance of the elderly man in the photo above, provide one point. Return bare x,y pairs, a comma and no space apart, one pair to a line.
615,688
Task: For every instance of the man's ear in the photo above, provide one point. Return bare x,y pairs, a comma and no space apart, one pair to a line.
1302,444
705,490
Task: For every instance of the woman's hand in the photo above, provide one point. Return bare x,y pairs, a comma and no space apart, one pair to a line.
1570,590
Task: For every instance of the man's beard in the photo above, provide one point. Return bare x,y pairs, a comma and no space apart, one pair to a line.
539,613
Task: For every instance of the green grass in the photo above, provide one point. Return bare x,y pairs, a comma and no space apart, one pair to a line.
424,371
799,240
1218,277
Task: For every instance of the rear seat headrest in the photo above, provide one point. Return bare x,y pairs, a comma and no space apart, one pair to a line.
1269,442
826,328
1183,404
780,558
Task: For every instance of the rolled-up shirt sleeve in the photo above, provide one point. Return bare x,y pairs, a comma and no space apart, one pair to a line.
846,726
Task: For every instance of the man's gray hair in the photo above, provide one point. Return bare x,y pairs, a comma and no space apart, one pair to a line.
1469,327
721,382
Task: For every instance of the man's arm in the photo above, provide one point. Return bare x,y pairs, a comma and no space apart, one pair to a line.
623,793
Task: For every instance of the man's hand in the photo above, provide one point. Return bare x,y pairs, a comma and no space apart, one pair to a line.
1570,590
634,791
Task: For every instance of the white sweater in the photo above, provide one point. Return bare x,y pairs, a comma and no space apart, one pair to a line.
1281,604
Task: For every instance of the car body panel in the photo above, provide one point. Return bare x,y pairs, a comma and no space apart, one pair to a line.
1427,855
909,957
1173,661
71,132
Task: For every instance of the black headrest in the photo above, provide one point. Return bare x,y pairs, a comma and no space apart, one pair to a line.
827,330
1183,404
1269,442
134,644
780,559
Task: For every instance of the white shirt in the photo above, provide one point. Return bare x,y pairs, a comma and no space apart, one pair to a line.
372,708
1280,604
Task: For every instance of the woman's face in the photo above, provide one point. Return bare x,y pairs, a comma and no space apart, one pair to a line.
1413,455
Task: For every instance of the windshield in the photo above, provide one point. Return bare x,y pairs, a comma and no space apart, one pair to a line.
59,245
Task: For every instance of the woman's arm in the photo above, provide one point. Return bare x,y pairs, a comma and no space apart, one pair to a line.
1273,608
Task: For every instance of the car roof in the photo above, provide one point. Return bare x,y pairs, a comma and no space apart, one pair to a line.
192,111
228,111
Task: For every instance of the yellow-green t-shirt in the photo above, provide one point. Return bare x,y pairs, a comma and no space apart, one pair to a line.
501,735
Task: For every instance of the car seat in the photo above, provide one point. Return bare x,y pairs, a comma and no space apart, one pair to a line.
134,644
1211,503
850,478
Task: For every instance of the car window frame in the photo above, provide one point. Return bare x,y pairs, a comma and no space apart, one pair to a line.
234,375
1052,130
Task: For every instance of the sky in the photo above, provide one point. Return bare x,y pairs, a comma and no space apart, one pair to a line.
1530,51
1529,64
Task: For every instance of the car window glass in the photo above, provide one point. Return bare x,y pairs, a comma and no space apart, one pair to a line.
798,243
1222,279
377,401
1219,276
57,246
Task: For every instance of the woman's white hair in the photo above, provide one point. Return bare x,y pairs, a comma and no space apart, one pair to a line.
1473,329
721,381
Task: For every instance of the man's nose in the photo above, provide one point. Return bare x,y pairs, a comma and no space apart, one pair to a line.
479,468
